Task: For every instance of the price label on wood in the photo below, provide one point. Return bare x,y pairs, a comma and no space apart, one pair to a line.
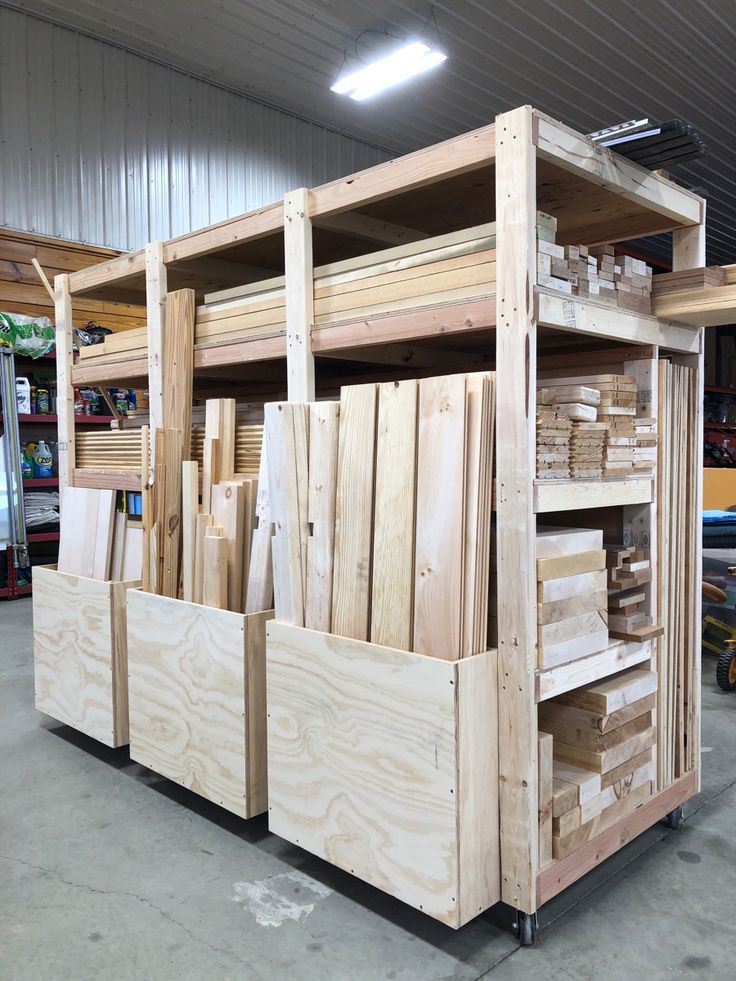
568,313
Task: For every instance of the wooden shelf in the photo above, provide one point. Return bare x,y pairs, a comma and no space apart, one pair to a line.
616,657
41,482
571,313
574,495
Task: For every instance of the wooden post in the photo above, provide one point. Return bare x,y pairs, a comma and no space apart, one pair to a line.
156,315
299,296
688,252
64,387
516,333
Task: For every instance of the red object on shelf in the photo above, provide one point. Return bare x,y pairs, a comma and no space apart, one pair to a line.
94,420
41,482
91,420
43,536
24,417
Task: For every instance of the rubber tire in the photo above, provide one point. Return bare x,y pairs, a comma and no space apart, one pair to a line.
526,928
674,819
724,670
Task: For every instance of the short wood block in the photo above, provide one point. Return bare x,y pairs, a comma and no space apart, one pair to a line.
198,698
80,653
577,727
385,763
561,847
627,749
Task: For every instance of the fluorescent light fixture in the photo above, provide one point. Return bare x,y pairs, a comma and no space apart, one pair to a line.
413,58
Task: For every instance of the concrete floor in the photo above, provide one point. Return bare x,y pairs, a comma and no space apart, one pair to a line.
110,872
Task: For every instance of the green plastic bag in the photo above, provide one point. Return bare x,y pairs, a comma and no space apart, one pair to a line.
30,336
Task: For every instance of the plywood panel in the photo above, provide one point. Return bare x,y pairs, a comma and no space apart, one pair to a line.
78,641
196,705
364,756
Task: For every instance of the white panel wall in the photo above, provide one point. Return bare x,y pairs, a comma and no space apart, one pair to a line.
102,146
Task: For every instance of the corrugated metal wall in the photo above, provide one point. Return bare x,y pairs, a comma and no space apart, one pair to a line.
102,146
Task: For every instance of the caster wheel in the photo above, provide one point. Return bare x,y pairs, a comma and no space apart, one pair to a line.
527,926
674,819
726,670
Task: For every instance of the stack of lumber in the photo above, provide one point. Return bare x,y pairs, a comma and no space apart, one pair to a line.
381,506
96,541
629,570
627,613
216,553
618,460
248,443
583,269
601,272
577,402
460,265
606,438
117,347
587,447
603,740
645,451
554,432
678,520
705,277
546,227
571,595
109,449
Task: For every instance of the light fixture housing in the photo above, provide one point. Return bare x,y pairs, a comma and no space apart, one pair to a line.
411,59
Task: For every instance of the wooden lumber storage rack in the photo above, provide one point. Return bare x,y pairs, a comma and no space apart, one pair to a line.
501,173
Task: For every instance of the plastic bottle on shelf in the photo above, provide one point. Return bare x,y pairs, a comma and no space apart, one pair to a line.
42,460
43,402
26,462
34,399
23,396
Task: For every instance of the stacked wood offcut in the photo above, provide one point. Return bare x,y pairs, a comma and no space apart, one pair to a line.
554,432
645,450
601,272
605,436
572,612
704,277
569,410
602,738
216,552
367,543
618,460
629,571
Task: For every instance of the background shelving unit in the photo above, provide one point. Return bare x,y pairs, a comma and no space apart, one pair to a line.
22,292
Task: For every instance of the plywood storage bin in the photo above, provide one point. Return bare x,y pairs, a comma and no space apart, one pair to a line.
197,680
80,652
385,763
